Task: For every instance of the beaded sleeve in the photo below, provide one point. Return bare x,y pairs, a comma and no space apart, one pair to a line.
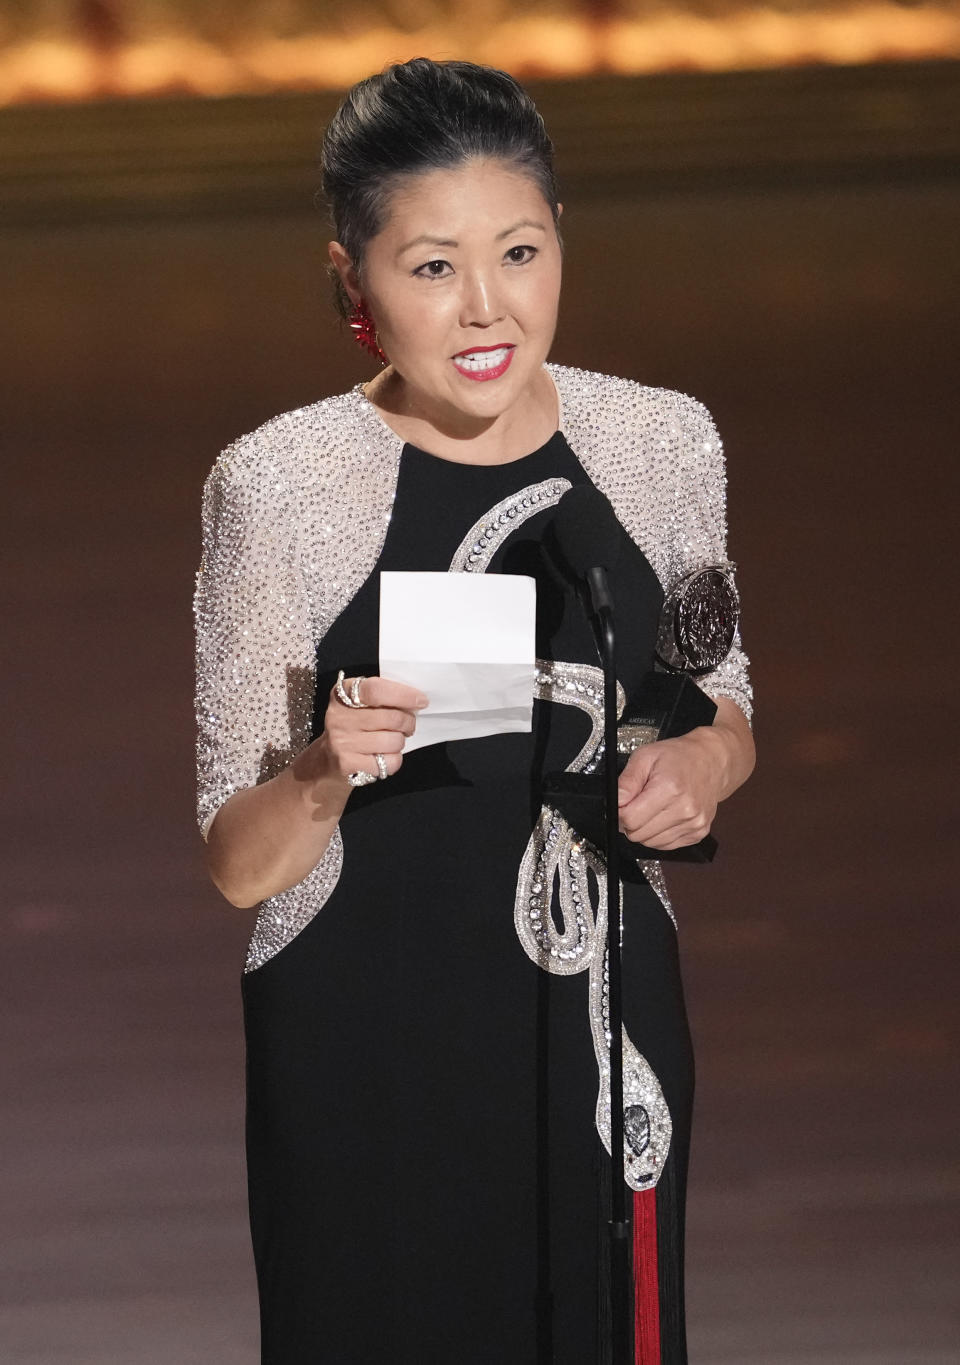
703,538
255,652
657,456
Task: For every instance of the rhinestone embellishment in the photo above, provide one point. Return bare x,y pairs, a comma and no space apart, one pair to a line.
294,518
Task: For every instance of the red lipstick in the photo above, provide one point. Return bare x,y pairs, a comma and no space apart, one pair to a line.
481,373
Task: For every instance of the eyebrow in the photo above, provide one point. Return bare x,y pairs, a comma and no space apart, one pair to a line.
426,240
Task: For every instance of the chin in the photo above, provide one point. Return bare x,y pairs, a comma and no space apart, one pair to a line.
487,410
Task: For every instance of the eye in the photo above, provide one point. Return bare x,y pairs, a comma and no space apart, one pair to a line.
521,255
433,270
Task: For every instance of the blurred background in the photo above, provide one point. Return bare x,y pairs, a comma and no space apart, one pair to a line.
762,208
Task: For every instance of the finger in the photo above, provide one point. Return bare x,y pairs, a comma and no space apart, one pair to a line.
661,799
650,772
374,691
668,817
376,742
668,833
649,810
633,779
678,836
384,718
354,763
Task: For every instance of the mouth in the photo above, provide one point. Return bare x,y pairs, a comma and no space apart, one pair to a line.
484,362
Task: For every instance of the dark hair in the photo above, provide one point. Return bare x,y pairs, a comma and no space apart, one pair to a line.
419,116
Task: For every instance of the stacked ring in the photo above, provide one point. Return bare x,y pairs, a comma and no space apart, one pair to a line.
360,779
353,700
363,778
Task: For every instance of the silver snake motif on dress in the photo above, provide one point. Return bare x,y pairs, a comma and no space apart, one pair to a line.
557,866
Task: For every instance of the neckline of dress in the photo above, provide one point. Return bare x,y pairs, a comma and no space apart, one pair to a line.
521,460
465,464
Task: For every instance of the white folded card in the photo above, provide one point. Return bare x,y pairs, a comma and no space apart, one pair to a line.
468,642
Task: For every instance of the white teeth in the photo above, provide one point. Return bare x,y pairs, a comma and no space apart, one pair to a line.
483,360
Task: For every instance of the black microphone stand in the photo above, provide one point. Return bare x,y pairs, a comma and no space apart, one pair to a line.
586,536
605,633
667,704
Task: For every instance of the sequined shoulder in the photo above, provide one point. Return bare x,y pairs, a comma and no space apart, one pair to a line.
608,397
301,446
657,455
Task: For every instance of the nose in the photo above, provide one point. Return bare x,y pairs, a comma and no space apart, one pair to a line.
480,304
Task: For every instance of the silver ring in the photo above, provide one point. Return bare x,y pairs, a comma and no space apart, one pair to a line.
360,779
341,691
353,700
381,765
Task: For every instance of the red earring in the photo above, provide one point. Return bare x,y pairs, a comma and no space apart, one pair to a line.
365,330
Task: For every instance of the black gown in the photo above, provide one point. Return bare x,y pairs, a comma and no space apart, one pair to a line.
423,1158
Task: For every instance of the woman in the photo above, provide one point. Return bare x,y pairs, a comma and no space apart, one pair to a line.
424,998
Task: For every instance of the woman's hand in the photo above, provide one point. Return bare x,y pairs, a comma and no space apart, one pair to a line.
269,837
353,735
669,791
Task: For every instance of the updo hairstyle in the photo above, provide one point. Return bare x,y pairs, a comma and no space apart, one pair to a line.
420,116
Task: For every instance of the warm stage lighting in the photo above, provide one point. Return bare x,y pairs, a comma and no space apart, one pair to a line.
112,61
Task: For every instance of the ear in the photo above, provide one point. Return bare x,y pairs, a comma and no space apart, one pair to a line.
559,209
344,267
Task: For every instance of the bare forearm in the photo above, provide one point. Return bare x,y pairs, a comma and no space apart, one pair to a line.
731,739
267,838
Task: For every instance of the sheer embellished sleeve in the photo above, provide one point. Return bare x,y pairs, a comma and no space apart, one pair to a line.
701,535
255,653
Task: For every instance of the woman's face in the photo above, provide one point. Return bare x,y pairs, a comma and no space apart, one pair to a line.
463,283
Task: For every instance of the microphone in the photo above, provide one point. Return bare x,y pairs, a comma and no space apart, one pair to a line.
588,536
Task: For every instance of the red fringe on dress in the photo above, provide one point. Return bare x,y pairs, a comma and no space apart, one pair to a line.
646,1289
